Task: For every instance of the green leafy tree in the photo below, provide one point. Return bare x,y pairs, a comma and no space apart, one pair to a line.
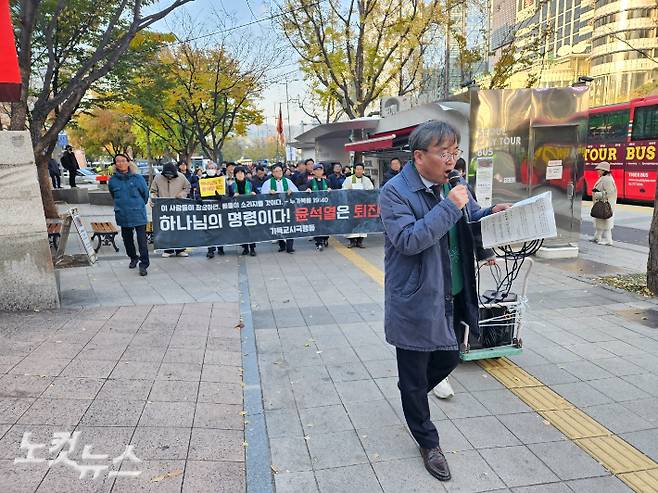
353,52
514,58
65,48
104,132
192,98
217,91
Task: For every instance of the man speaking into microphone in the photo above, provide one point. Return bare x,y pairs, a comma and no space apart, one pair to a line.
429,275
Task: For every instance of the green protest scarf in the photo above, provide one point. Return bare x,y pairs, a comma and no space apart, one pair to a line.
314,184
455,256
247,187
273,184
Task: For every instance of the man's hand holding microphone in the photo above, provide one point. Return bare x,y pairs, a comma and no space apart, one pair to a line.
459,196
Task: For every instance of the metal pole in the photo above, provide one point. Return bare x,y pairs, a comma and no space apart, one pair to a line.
149,158
447,64
276,122
288,113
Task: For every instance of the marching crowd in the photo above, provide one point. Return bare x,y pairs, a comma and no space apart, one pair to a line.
129,191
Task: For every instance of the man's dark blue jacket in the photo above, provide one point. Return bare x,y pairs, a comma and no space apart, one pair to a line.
418,287
130,194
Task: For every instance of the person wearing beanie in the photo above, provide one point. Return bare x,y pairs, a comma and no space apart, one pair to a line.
604,190
170,184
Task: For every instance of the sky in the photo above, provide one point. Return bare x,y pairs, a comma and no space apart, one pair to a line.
204,14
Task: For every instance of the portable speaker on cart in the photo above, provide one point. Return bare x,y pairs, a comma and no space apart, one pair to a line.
501,319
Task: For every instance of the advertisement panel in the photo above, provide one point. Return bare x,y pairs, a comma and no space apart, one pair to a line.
525,142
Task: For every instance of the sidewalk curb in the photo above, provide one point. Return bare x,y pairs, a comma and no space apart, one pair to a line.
258,476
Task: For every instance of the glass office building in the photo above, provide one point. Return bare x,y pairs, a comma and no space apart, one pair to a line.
613,41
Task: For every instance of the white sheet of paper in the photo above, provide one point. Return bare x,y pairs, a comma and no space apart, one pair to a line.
554,172
484,180
527,220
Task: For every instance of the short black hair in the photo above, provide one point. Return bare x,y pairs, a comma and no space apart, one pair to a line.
460,164
309,159
396,159
277,165
432,132
359,164
231,163
260,167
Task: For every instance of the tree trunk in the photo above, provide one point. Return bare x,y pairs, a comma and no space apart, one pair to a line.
49,207
43,149
652,263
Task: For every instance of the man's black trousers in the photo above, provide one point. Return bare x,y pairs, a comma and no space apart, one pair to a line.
419,372
287,244
129,244
72,178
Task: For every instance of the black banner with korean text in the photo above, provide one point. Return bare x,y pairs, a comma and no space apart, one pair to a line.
181,223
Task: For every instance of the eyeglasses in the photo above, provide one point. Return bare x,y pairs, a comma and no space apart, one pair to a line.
445,155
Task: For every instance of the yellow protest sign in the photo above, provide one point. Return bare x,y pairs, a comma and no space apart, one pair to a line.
209,187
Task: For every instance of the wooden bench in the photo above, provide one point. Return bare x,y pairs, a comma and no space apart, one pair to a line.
54,233
149,232
104,233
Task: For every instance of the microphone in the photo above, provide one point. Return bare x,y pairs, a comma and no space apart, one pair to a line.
454,177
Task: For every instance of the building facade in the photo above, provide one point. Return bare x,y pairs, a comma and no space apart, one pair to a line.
613,41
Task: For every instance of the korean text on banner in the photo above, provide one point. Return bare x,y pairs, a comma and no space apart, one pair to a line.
209,187
181,223
527,220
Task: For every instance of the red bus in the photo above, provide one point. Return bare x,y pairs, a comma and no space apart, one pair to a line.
626,136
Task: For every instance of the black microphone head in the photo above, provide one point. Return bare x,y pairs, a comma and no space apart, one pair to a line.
454,177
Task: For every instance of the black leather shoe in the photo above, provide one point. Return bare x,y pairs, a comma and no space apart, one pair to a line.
245,251
436,463
133,263
252,253
142,271
282,249
210,254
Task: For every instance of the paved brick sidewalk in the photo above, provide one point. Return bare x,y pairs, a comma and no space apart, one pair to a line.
164,378
332,406
163,373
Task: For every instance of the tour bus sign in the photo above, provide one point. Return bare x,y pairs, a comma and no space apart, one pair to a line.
620,153
633,168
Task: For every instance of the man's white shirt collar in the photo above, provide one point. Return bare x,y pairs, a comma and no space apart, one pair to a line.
428,184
